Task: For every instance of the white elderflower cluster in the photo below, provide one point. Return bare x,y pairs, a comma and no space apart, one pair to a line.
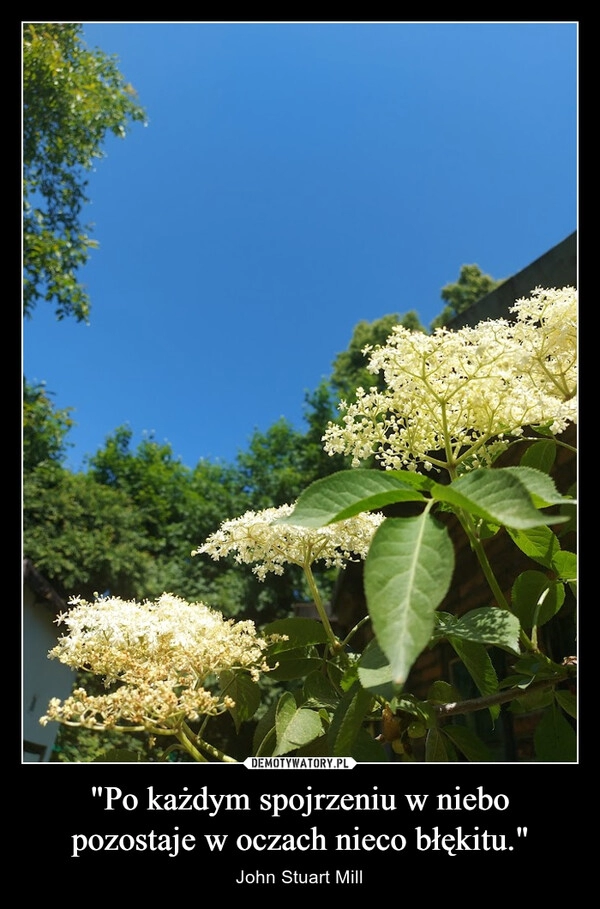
256,537
546,331
453,398
157,656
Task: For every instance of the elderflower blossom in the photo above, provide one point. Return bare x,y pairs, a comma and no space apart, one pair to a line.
157,656
454,397
257,537
546,331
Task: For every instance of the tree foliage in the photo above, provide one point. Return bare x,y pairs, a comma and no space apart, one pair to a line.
350,366
72,97
44,427
82,536
471,286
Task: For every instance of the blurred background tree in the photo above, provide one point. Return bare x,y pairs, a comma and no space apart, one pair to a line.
72,97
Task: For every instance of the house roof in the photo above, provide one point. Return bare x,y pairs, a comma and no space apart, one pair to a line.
556,268
42,588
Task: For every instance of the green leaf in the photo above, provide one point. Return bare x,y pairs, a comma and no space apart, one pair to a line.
571,525
319,692
498,495
539,543
118,756
489,625
366,750
554,738
567,701
564,564
245,693
540,486
442,693
479,666
541,455
407,573
264,738
375,672
295,726
532,700
348,720
435,747
467,742
294,664
349,492
300,632
535,598
539,666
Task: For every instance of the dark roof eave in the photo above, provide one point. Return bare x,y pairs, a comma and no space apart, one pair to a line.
42,588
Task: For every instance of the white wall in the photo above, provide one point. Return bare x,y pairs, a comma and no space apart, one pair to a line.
43,679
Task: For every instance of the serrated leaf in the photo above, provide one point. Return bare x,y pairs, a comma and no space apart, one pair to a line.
541,455
498,495
535,598
554,738
467,742
442,693
349,492
565,565
489,625
538,665
245,693
264,738
539,543
407,573
348,720
375,672
478,664
318,691
435,747
533,699
294,726
567,701
540,486
444,624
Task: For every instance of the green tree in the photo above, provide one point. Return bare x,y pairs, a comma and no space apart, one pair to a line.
350,367
471,286
72,97
272,468
152,478
82,536
44,427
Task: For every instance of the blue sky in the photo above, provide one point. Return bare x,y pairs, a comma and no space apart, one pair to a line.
293,180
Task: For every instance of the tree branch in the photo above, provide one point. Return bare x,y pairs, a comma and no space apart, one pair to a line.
500,697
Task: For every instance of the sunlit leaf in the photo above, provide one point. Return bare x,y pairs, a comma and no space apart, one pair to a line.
499,496
407,574
349,492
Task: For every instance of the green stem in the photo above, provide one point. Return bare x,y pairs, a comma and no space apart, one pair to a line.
189,740
210,749
353,631
333,641
501,601
182,736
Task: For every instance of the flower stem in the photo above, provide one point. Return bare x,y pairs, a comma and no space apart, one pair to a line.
333,641
189,740
182,736
501,601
